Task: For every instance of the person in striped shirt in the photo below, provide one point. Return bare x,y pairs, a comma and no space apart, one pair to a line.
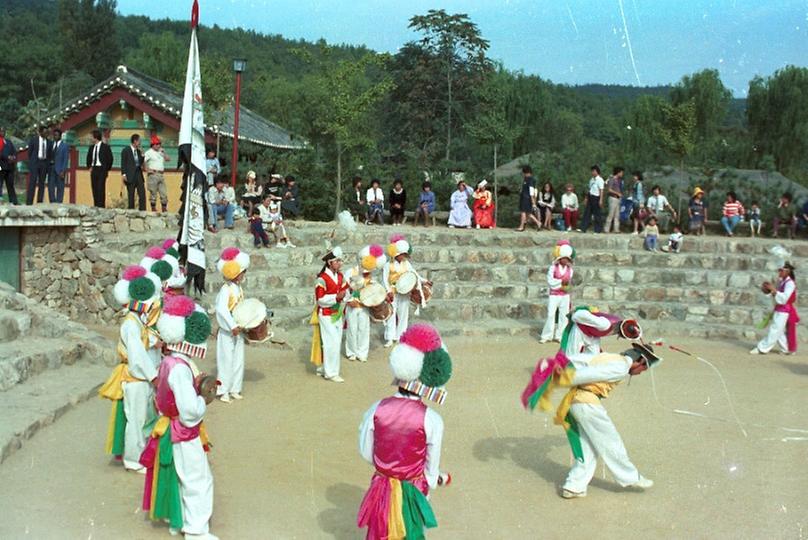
733,213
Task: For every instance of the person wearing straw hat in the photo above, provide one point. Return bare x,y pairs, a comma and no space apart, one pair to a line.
357,334
179,483
402,438
399,251
329,292
233,265
559,281
129,387
783,320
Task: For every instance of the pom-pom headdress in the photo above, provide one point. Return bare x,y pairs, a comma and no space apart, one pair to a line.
160,262
184,326
421,364
171,247
398,246
372,257
137,289
232,263
563,249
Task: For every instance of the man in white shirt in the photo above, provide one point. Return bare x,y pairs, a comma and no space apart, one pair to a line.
658,206
375,201
99,161
154,163
595,196
40,153
221,201
212,167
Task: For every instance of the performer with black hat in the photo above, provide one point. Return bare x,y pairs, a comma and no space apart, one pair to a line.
329,292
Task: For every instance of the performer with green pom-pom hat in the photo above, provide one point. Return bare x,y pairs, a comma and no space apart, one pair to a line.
402,438
129,386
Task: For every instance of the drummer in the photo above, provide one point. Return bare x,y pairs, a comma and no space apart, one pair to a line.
233,265
399,249
357,335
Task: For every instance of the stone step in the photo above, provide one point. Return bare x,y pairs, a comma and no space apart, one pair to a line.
43,399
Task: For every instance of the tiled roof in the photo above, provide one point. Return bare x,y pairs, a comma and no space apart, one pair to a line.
252,127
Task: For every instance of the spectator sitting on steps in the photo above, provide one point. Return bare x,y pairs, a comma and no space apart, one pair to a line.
733,213
785,214
291,198
221,201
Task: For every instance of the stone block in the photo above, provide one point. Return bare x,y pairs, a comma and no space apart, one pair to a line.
121,223
136,225
717,298
738,280
715,279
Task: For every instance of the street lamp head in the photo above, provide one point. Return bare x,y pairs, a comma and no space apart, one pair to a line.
239,65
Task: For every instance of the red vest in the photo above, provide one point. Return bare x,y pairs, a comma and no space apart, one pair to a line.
167,403
399,440
331,287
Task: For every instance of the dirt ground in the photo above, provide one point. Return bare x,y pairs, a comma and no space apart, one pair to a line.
286,463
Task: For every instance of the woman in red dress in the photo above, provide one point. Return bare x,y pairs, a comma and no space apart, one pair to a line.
483,207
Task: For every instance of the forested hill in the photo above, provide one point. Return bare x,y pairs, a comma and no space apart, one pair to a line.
621,91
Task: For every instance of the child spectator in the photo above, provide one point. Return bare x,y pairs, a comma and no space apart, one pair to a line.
569,207
651,234
785,215
426,204
733,213
754,219
272,220
674,240
697,212
257,229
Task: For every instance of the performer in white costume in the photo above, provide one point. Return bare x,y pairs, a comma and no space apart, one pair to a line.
179,487
559,281
329,294
399,251
581,339
230,341
129,386
357,333
784,318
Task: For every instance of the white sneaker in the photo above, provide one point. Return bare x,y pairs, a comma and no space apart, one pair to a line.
335,378
320,371
643,483
567,494
206,536
352,358
236,395
141,470
291,245
363,359
282,245
542,340
224,398
755,351
173,532
388,344
569,229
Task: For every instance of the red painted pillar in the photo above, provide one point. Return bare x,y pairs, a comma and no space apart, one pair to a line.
234,163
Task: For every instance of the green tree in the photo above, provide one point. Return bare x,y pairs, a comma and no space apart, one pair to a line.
678,130
457,42
161,55
710,97
87,34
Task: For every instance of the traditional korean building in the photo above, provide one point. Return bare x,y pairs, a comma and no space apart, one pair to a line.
129,102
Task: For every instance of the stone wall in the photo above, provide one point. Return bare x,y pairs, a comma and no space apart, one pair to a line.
63,265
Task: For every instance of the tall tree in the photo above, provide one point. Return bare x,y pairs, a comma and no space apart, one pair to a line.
678,130
710,97
457,42
87,34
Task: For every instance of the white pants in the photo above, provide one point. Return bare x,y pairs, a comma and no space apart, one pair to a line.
614,215
229,363
196,486
400,320
357,337
331,338
776,335
560,304
139,410
599,438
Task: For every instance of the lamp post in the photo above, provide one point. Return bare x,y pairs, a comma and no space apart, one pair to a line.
239,65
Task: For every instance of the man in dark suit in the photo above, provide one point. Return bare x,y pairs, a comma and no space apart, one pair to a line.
99,161
40,155
8,161
132,173
56,179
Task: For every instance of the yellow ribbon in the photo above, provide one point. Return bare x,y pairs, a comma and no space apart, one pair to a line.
316,356
396,529
113,387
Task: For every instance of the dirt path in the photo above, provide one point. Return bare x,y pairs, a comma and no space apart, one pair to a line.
286,463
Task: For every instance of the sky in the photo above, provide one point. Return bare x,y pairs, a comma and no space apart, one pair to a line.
631,42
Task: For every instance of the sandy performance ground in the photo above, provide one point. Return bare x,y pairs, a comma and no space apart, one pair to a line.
286,464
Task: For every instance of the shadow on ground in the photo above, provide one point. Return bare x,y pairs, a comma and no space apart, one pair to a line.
795,367
340,520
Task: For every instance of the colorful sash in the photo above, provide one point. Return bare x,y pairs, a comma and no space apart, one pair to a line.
395,509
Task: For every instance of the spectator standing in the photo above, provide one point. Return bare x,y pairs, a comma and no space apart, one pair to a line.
212,166
291,197
460,213
426,204
785,214
569,207
154,162
732,213
99,161
221,201
696,212
753,216
8,161
658,206
253,193
483,207
398,202
375,200
614,189
132,173
61,163
547,203
40,156
638,211
651,233
356,199
594,201
527,199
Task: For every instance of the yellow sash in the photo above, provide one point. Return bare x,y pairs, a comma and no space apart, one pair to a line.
586,393
113,388
316,356
235,299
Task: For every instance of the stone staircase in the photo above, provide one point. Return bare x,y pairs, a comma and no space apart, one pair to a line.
46,361
493,282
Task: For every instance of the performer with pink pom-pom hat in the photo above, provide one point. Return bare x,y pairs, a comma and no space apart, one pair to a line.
397,267
233,264
129,386
559,280
402,438
357,334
